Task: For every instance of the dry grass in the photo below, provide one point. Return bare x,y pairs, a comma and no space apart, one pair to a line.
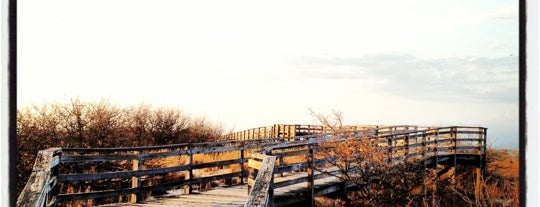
506,164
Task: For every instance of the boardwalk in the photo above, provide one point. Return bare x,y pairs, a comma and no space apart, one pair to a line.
221,196
235,195
68,176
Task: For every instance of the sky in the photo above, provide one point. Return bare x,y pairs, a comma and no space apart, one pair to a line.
248,64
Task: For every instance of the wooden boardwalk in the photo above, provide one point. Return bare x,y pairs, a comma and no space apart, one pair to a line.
65,175
235,195
220,196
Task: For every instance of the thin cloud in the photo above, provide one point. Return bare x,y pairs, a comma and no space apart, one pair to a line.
480,79
508,14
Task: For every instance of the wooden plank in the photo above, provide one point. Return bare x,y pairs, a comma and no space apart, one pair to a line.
213,178
215,149
254,164
290,167
124,149
218,163
55,160
127,191
293,153
251,181
258,156
291,182
95,158
36,190
123,174
468,147
262,192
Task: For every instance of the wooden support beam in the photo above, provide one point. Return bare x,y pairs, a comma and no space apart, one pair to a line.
136,181
311,173
190,186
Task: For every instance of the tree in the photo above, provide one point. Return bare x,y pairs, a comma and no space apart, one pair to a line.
167,125
365,163
138,124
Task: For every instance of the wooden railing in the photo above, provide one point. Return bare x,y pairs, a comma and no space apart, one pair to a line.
41,187
466,145
64,175
263,188
294,130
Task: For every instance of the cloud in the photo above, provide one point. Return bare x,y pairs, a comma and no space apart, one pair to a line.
467,79
506,14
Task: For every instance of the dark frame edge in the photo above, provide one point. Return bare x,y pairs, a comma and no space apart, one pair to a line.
12,85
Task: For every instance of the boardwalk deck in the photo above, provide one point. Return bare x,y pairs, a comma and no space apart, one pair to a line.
233,195
221,196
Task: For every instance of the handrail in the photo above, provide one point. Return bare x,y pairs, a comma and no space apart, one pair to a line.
42,181
295,130
42,190
262,191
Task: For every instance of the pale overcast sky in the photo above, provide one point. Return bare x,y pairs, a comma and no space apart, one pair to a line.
248,64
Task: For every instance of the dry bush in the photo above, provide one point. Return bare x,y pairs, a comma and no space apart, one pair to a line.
379,182
363,162
101,124
499,182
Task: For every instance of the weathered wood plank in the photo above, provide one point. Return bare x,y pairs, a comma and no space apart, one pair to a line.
36,190
262,191
258,156
95,158
124,174
218,163
127,191
254,164
292,153
291,182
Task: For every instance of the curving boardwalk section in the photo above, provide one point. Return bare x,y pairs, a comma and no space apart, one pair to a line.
216,174
226,196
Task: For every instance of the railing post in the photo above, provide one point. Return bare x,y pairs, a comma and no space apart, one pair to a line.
136,181
433,199
311,173
190,151
424,159
271,190
436,148
390,141
280,158
453,179
484,153
242,171
477,183
407,142
482,146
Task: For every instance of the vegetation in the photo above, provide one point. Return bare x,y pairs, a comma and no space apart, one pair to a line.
377,182
79,124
